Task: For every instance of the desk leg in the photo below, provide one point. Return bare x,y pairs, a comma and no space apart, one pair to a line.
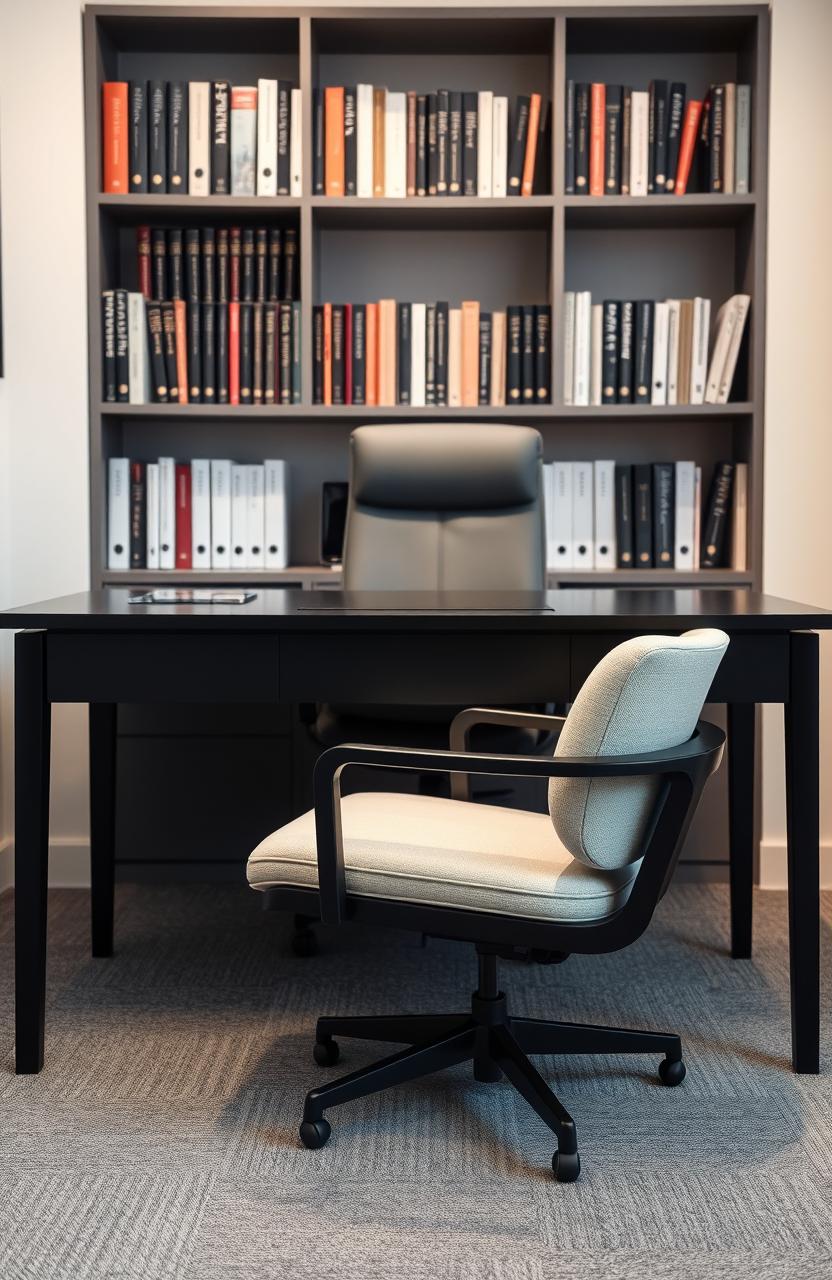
802,713
741,718
32,724
102,823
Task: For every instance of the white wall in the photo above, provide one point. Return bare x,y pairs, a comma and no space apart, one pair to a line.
43,402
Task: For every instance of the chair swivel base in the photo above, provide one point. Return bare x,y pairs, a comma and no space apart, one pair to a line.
497,1045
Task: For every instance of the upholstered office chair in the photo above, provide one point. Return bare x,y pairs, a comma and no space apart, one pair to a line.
626,776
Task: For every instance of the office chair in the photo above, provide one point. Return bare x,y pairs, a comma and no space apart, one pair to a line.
628,769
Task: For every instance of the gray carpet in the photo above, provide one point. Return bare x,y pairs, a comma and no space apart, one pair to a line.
160,1140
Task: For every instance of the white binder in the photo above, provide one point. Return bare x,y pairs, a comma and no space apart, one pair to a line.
167,513
220,513
118,514
674,309
605,514
583,515
499,151
199,138
267,137
562,522
256,515
276,514
200,513
152,480
395,146
364,140
699,358
485,142
583,347
239,517
683,552
658,390
418,320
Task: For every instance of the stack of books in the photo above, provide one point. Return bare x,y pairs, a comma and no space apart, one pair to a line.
419,354
369,141
201,137
202,514
623,141
651,352
607,515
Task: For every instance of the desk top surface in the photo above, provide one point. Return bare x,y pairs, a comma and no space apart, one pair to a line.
291,610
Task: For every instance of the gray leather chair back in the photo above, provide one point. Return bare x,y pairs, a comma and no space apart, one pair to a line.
436,507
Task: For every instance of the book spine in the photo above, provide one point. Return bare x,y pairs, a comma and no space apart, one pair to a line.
108,352
699,358
660,105
609,360
542,354
143,254
138,524
432,151
177,136
470,144
674,308
169,345
379,140
729,133
334,140
248,272
499,152
220,138
519,138
176,289
157,353
194,353
741,304
441,352
372,353
122,346
159,259
625,353
221,325
138,160
485,143
318,144
484,390
192,281
498,358
115,165
290,265
421,144
442,129
455,143
184,547
687,146
243,140
199,138
626,127
624,515
658,393
261,264
269,352
685,486
246,353
138,356
532,140
234,269
430,354
285,355
157,135
742,145
338,354
716,519
297,354
643,515
395,142
358,353
364,140
700,172
596,354
675,126
317,354
514,355
454,356
569,347
410,172
257,353
350,142
284,137
639,143
597,120
347,353
643,368
664,510
582,345
234,352
180,322
152,515
612,140
118,513
470,353
403,318
582,125
716,140
569,149
209,258
327,352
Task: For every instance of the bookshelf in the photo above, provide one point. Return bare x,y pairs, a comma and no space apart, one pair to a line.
497,250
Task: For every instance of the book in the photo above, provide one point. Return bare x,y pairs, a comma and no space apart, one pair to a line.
675,123
159,264
338,355
395,148
583,515
626,129
716,139
527,354
440,352
167,513
685,351
176,287
612,140
596,354
470,354
605,548
118,513
742,141
404,352
582,126
347,351
138,355
660,109
184,552
178,174
582,348
157,148
569,347
499,151
255,488
609,369
295,145
730,326
530,155
143,253
115,137
200,513
624,523
276,501
256,354
643,353
243,140
317,354
455,143
421,144
514,350
674,308
246,353
350,141
470,145
455,357
209,256
639,142
387,373
684,523
221,138
284,137
180,323
318,144
597,120
442,141
372,353
483,161
239,516
121,345
664,534
569,140
286,354
152,515
658,386
137,138
221,347
199,138
542,354
626,334
498,357
739,518
194,362
266,137
410,167
379,145
364,140
220,513
715,519
687,146
519,138
643,515
169,347
158,373
484,389
699,349
562,489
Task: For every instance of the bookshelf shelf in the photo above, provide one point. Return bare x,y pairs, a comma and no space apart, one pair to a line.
320,576
405,413
130,207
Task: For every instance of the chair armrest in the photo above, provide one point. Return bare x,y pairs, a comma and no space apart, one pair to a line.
464,721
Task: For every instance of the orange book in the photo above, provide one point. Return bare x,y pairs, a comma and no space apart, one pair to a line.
379,110
327,353
470,354
180,330
387,351
687,145
334,141
371,353
531,145
597,113
114,134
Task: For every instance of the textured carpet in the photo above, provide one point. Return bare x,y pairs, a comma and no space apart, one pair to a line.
160,1139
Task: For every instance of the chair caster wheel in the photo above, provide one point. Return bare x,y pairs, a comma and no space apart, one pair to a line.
326,1052
672,1073
566,1166
304,944
315,1133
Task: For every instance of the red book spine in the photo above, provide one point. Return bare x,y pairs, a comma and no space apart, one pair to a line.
348,353
687,146
597,113
233,353
143,251
114,134
184,558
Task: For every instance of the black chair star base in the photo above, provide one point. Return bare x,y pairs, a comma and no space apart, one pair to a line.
497,1045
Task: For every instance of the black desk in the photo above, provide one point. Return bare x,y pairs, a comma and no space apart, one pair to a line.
293,646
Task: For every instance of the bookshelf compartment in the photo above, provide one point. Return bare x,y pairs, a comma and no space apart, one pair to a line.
419,213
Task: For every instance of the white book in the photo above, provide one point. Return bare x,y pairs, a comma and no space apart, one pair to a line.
742,142
244,140
605,514
266,137
455,357
739,518
658,387
395,146
726,323
364,141
498,358
699,349
569,348
583,514
276,500
138,354
549,513
583,339
239,516
167,513
199,138
674,311
597,357
220,513
485,141
200,513
152,516
564,547
639,144
697,516
256,515
742,303
418,321
685,515
499,151
118,513
296,144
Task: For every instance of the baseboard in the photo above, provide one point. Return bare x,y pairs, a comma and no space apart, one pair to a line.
773,865
69,863
5,863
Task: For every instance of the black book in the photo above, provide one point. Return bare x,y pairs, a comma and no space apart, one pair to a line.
222,265
643,355
421,145
261,264
192,282
625,353
430,353
716,129
138,136
339,366
194,352
318,144
270,352
432,147
220,138
246,353
624,515
542,354
700,169
484,389
157,135
158,373
442,130
159,264
275,264
177,135
517,144
609,352
626,127
514,355
455,143
209,259
350,147
290,265
285,352
247,266
404,321
284,122
569,151
317,355
138,517
651,138
717,517
470,127
542,179
612,140
297,352
675,123
257,353
581,139
221,325
176,283
122,347
169,346
643,515
660,105
358,355
527,359
440,360
209,354
664,514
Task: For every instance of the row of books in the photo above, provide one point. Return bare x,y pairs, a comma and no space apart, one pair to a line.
218,264
201,137
416,353
623,141
202,514
178,352
369,141
608,515
650,352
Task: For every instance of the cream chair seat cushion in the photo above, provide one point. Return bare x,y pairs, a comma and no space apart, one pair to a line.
447,853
